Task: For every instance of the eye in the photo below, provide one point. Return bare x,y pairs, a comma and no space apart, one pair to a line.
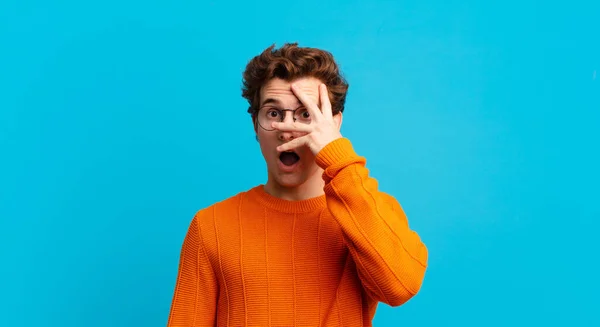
304,114
273,113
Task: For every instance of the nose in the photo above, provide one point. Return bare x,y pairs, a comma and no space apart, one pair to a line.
288,117
286,136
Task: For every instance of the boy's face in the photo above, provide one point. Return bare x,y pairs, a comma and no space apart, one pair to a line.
286,171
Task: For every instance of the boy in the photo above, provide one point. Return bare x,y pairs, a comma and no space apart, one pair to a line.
318,244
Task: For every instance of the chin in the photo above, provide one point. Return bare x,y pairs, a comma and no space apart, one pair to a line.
296,178
290,180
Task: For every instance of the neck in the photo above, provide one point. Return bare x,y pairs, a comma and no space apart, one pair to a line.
311,188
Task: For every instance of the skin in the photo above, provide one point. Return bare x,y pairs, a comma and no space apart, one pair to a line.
305,180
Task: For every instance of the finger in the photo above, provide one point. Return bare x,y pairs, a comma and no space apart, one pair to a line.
293,144
292,127
312,107
325,103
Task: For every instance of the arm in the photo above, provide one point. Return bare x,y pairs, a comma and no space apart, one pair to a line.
195,300
390,257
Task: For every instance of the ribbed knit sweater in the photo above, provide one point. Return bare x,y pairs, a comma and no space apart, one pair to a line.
257,260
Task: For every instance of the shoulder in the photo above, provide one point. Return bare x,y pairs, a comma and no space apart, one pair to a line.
212,223
222,209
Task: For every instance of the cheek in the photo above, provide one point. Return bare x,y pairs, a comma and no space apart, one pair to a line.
263,136
307,155
267,142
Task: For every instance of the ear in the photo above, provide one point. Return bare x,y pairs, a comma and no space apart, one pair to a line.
255,129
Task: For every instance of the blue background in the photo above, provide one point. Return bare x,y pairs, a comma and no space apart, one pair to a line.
479,117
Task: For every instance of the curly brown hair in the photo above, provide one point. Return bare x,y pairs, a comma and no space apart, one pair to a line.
289,63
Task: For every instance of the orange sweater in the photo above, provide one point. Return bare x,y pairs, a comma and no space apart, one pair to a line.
256,260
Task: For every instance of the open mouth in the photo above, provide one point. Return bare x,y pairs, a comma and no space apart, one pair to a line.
289,158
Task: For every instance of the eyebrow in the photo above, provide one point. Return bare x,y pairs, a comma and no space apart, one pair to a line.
269,101
278,102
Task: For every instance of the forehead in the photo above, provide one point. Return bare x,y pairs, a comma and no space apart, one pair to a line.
280,92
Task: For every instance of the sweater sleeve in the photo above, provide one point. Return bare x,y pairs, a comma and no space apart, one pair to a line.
390,258
194,302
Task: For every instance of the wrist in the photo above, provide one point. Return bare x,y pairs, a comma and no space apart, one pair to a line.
336,151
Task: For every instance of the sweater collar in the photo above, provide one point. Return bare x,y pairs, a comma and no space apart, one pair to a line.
287,206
